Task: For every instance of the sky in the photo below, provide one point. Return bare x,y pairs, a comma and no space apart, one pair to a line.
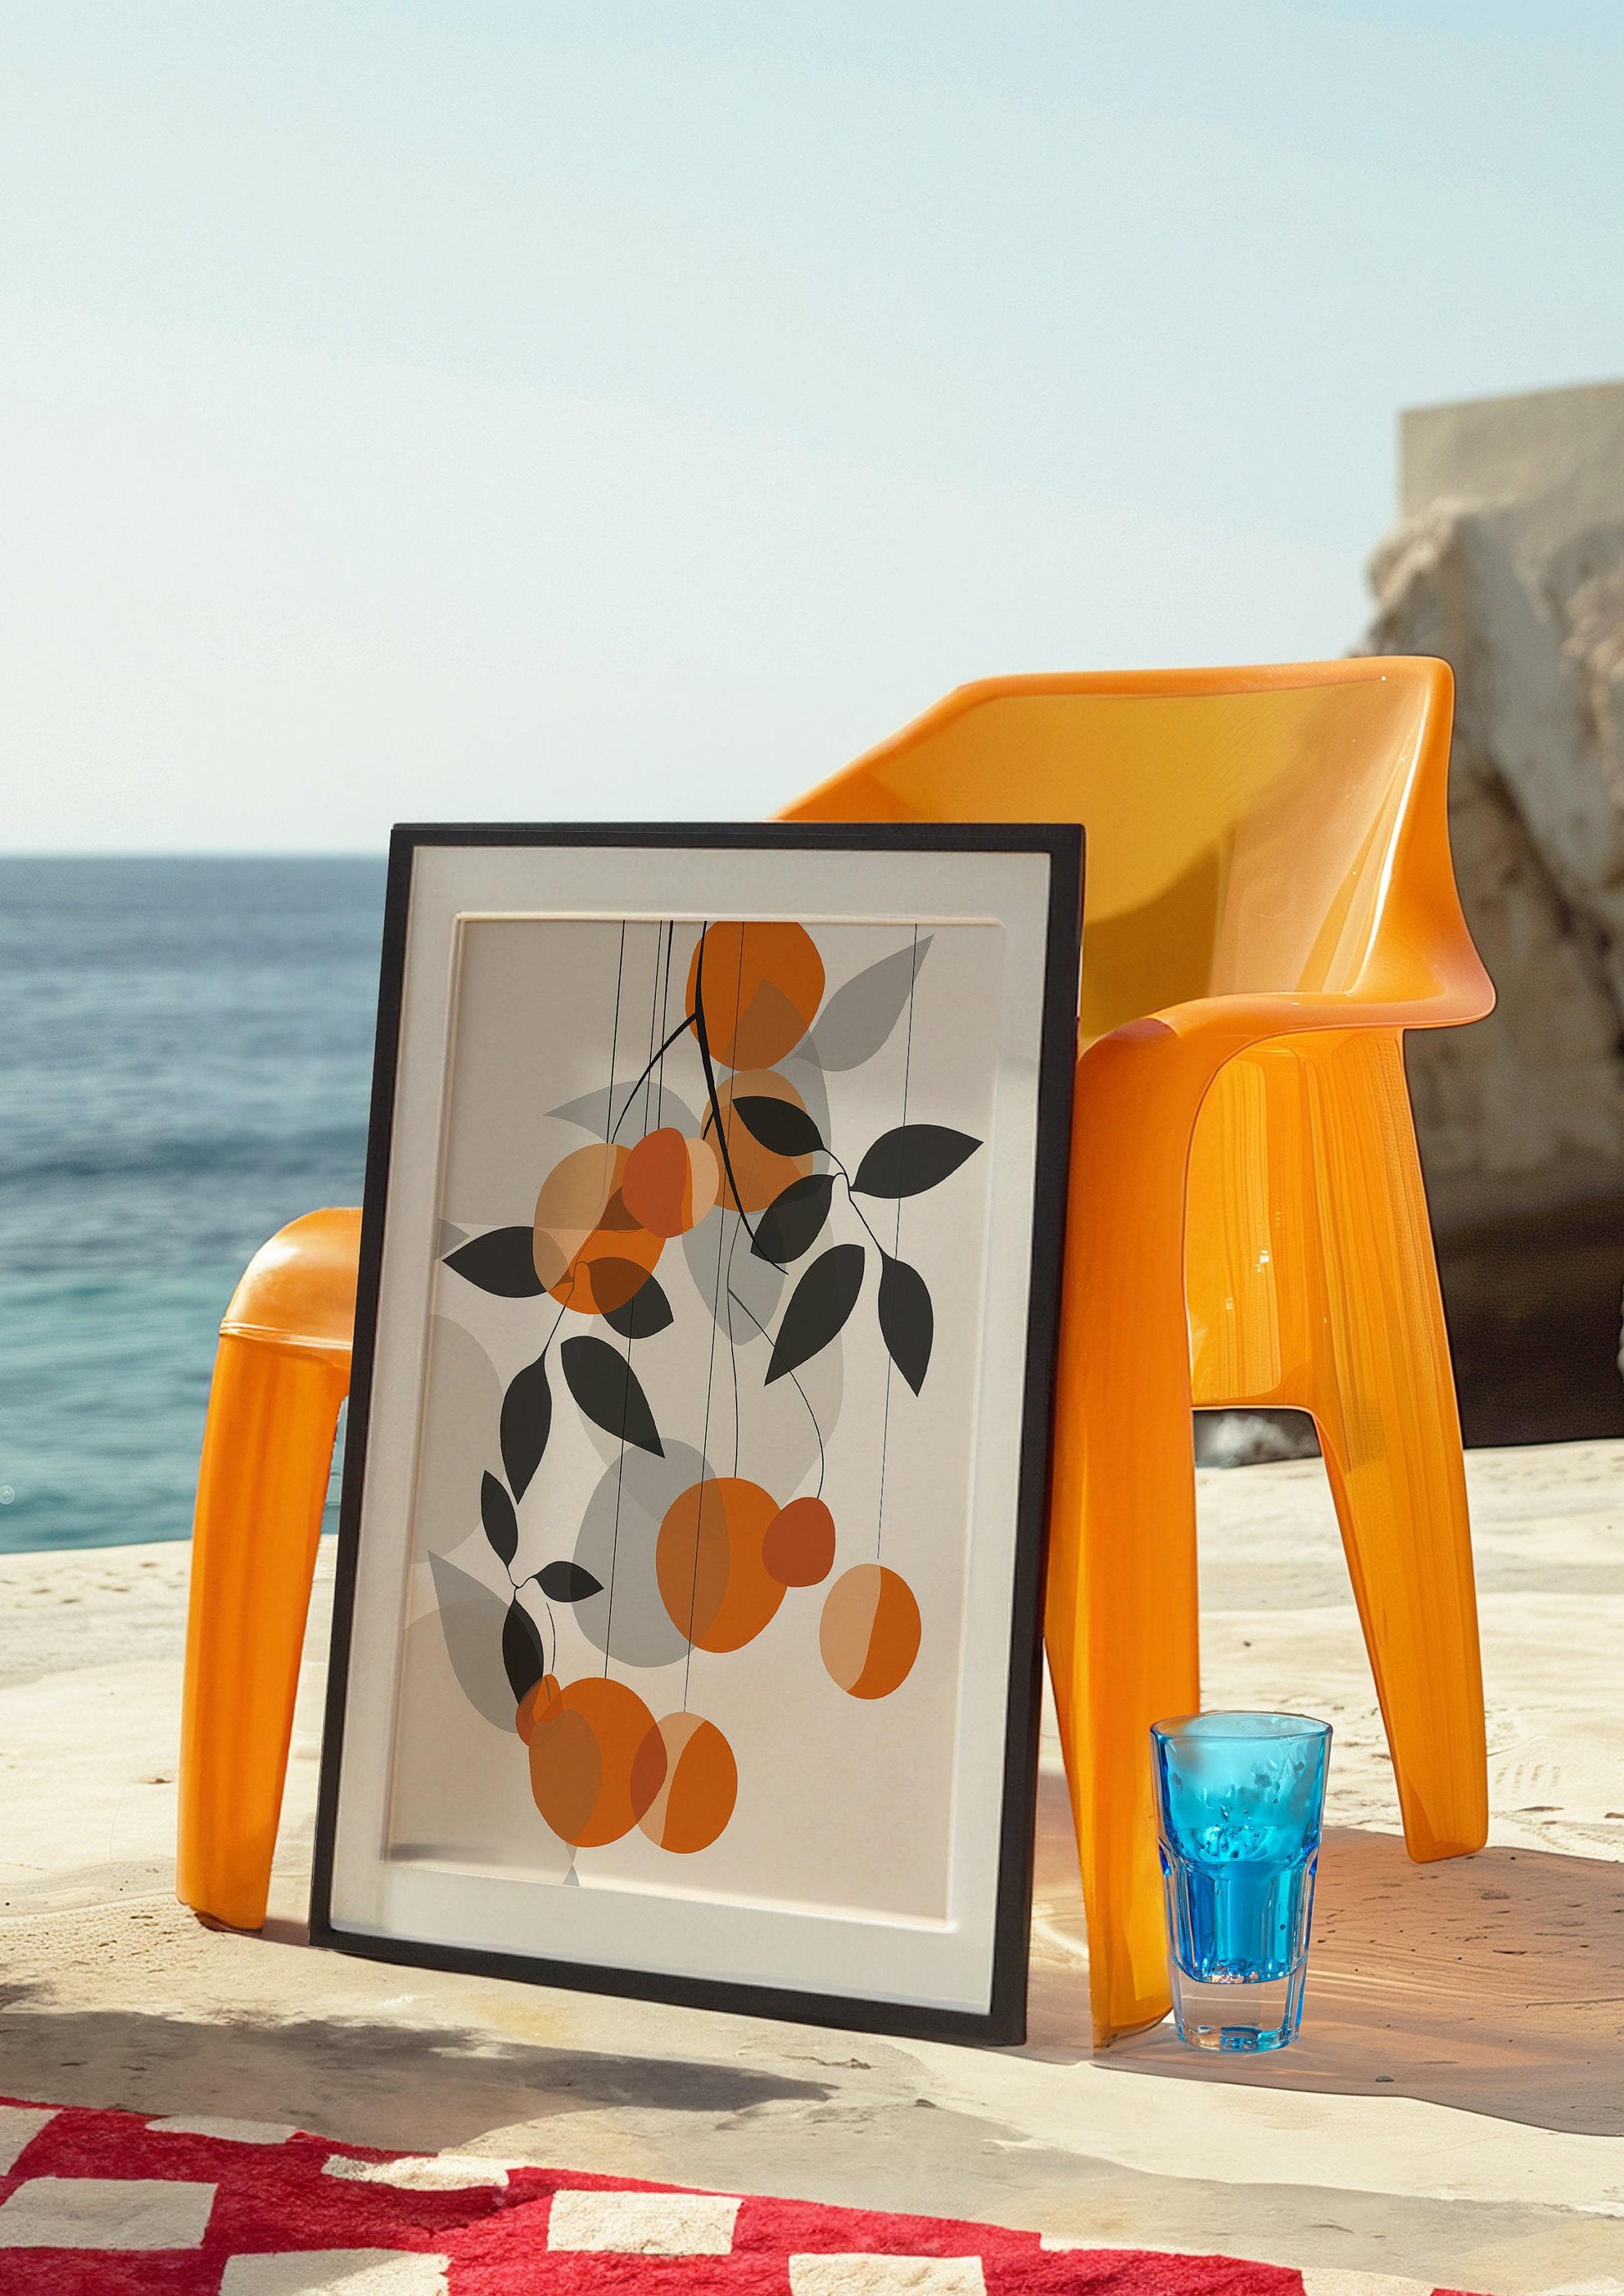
501,411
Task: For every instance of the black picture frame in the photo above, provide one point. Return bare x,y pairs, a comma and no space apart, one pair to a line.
1004,2021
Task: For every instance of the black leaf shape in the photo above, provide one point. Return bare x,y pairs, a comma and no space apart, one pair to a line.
794,1220
608,1391
911,1158
568,1582
526,1421
818,1306
646,1312
521,1651
501,1523
907,1321
615,1283
778,1124
503,1262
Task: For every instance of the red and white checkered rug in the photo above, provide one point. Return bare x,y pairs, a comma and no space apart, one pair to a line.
110,2204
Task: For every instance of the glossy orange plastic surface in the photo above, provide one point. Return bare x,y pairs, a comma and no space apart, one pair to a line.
282,1372
1270,905
1271,902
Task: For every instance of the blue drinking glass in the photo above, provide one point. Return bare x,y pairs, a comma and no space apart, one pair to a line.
1239,1800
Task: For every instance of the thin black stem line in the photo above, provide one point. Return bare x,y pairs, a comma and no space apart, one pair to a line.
733,1352
563,1310
665,1008
614,1547
907,1063
715,1299
885,1438
653,1026
685,1022
518,1585
817,1431
701,1031
885,1423
851,1200
614,1038
733,1240
704,1460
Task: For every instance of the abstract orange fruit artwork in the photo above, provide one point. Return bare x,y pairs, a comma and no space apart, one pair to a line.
698,1788
799,1548
869,1634
539,1694
670,1182
596,1761
716,1586
591,1251
761,986
673,1306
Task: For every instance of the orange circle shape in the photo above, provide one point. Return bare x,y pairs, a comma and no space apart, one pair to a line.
699,1789
611,1266
763,984
761,1173
590,1252
670,1182
593,1771
571,1202
799,1548
869,1634
708,1559
539,1694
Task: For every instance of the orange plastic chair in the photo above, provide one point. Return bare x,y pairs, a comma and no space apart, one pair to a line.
279,1378
1270,905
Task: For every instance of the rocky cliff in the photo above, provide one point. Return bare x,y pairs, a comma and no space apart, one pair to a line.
1508,560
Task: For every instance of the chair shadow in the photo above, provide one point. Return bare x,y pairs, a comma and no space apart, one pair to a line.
1493,1983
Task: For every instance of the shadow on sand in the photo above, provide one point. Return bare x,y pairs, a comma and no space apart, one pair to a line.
1493,1983
423,2086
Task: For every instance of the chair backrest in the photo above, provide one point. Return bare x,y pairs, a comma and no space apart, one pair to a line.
1271,829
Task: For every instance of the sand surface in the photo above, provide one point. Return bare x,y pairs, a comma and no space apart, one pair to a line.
1453,2114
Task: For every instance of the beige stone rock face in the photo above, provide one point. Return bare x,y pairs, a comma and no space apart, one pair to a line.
1509,563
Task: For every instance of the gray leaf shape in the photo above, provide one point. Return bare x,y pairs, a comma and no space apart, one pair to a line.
804,1072
592,1110
758,1284
857,1018
464,1395
470,1619
618,1539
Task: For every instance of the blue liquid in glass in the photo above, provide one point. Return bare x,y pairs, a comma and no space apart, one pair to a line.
1241,1798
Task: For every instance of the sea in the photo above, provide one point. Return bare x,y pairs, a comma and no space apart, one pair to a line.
185,1062
185,1059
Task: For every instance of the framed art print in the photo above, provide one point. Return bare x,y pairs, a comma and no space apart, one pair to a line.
686,1641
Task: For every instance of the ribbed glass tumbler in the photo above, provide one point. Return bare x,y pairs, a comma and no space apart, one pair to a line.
1240,1800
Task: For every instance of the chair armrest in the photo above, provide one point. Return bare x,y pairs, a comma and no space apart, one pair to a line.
1226,1025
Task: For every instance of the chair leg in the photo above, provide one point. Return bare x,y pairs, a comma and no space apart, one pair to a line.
1384,1401
268,1451
1121,1611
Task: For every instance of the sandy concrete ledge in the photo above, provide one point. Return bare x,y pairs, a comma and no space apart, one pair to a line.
1454,2114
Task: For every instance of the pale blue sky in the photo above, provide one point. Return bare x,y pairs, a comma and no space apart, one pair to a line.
501,410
